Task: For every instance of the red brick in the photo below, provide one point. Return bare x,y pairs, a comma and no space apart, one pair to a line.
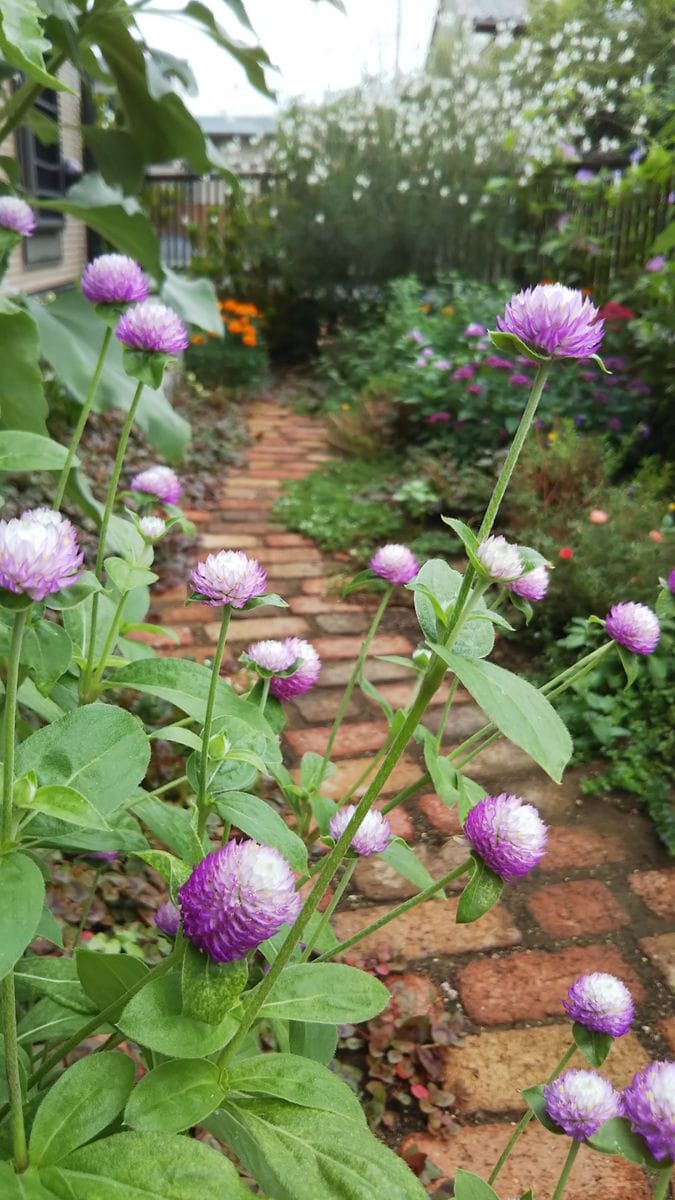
183,614
198,516
341,622
349,647
348,771
578,848
228,541
426,931
666,1028
353,738
238,483
321,586
499,761
255,528
661,950
536,1163
304,569
568,910
400,821
376,880
290,554
398,694
198,653
248,510
438,814
656,889
531,985
336,674
287,539
320,705
277,624
311,605
162,640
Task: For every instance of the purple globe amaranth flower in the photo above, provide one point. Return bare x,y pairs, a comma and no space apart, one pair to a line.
17,216
601,1003
634,626
657,263
373,835
395,563
236,898
228,577
554,320
167,919
499,558
104,855
466,372
497,363
152,528
416,336
114,279
671,581
519,380
649,1104
584,175
158,481
271,655
580,1102
306,675
475,330
153,328
509,835
39,553
533,585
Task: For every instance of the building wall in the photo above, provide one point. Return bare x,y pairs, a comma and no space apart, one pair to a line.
20,278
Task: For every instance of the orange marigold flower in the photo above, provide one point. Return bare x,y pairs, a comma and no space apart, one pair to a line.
236,326
197,340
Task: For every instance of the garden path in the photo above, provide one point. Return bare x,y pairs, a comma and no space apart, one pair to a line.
603,898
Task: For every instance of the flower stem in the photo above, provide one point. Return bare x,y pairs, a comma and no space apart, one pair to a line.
265,693
330,909
202,805
527,1117
565,1173
81,421
109,641
86,909
103,535
13,1077
427,894
446,713
11,688
663,1179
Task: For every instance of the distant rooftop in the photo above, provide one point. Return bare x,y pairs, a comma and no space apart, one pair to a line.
238,126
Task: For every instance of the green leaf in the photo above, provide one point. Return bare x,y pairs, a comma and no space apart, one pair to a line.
145,1166
42,975
313,772
76,594
155,1018
173,871
512,344
297,1081
480,894
194,299
260,821
49,1021
630,664
328,993
534,1098
24,451
49,928
316,1042
522,714
116,217
594,1046
99,750
105,978
210,989
173,826
127,576
436,588
402,859
23,891
252,58
470,1187
118,157
617,1137
665,241
66,804
82,1102
26,1186
22,43
22,401
46,652
175,1096
297,1153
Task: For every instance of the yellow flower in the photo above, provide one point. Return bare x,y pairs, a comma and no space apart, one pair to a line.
425,308
552,436
345,407
448,311
671,508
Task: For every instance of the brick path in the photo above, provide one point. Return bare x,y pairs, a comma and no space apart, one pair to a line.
603,899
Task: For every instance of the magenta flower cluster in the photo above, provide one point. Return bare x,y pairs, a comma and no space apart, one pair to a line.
554,320
373,835
507,834
17,216
153,328
649,1104
236,898
579,1102
39,554
114,279
533,585
288,686
633,626
600,1002
395,563
228,577
158,481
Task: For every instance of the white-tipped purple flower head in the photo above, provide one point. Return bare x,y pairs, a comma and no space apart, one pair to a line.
167,919
500,559
271,655
228,577
395,563
554,320
306,675
158,481
475,330
671,581
509,835
533,585
373,835
580,1102
114,279
153,328
601,1003
39,553
634,626
17,216
236,898
649,1104
152,528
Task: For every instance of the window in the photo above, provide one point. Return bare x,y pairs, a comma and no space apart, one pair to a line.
43,174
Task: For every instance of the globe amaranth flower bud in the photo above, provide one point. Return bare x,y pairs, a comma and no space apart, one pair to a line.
289,686
39,553
600,1002
152,528
153,328
533,585
236,898
167,919
228,577
395,563
634,626
509,835
649,1104
271,655
17,216
499,558
114,279
158,481
554,320
373,835
580,1102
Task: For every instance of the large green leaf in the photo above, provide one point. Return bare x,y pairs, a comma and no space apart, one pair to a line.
22,401
21,450
480,894
252,58
174,826
82,1102
99,750
154,1017
49,1021
22,43
194,299
175,1096
257,819
402,859
470,1187
22,892
116,217
436,579
44,975
70,341
144,1166
118,157
66,804
522,714
297,1080
299,1153
105,978
46,653
210,989
329,993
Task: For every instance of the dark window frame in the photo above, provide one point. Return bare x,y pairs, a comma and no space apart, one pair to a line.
43,175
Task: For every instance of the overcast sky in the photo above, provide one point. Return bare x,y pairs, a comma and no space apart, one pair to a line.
315,47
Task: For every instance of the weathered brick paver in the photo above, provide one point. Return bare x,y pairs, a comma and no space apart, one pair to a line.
603,897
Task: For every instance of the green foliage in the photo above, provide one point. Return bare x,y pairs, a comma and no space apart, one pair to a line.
344,506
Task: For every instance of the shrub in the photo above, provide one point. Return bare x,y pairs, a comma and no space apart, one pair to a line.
238,359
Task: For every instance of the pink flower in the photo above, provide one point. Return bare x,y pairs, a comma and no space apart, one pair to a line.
657,263
598,516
